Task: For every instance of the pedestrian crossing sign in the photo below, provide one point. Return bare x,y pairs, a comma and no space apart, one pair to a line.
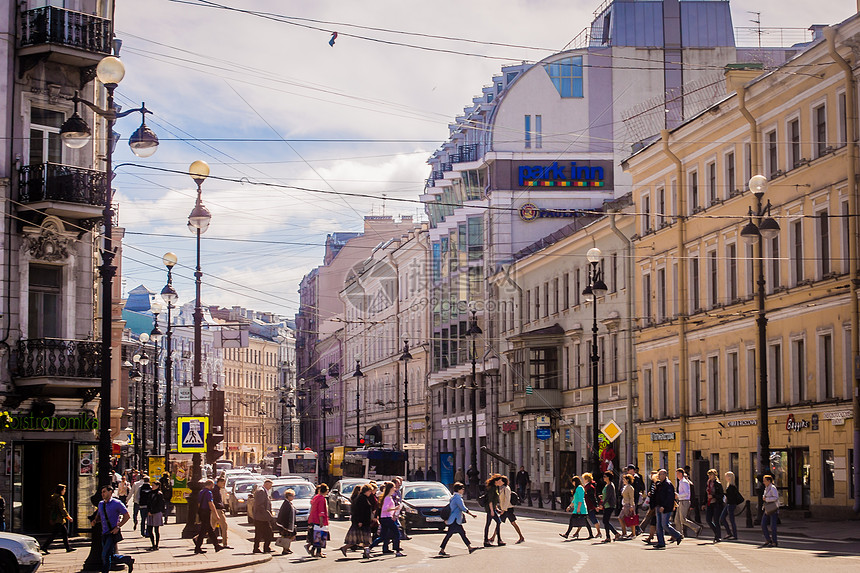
192,433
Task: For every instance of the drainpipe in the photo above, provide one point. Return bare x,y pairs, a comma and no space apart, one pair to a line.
683,366
630,442
851,164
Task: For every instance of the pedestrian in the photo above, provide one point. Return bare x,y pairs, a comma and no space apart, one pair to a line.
143,504
506,505
650,520
156,515
287,521
389,512
770,511
628,516
113,514
419,474
431,474
263,518
135,498
400,518
682,514
578,511
639,491
733,499
459,476
522,481
714,506
122,489
591,500
318,523
609,499
167,491
218,495
473,476
663,502
456,520
360,518
492,506
58,518
205,511
2,513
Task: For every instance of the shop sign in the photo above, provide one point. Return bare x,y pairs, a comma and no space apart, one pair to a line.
510,426
542,421
838,417
83,421
662,436
560,174
735,423
794,425
543,433
531,212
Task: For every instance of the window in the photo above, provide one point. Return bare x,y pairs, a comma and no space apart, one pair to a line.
715,463
614,281
45,143
613,340
731,184
538,132
843,119
825,360
733,388
555,296
577,287
661,207
732,271
476,238
819,116
694,283
751,376
794,143
647,392
712,183
797,250
774,374
662,391
771,154
528,131
646,214
661,295
747,164
577,363
528,305
712,279
646,299
734,466
537,302
845,237
543,367
823,227
545,300
45,301
695,386
828,478
566,76
565,295
774,264
714,382
694,192
798,362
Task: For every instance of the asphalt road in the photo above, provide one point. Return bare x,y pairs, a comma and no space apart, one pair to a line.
545,549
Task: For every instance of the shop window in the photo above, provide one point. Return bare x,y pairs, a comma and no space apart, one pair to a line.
828,477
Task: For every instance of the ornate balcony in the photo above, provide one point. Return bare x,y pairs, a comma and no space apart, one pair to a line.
58,363
64,36
63,190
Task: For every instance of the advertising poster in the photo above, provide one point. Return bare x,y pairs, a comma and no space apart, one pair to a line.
156,467
180,467
86,462
446,467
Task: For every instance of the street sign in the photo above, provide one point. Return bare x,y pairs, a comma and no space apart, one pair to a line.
529,390
192,433
543,433
542,421
611,430
413,446
131,438
184,394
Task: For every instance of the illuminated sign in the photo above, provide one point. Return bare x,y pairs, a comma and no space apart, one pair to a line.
83,421
560,175
531,212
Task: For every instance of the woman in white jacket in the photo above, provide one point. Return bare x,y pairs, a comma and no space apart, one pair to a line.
771,505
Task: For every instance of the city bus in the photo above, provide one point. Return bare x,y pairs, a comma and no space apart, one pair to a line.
301,463
374,463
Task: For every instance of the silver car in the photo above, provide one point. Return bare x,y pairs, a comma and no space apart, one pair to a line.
19,553
305,491
241,495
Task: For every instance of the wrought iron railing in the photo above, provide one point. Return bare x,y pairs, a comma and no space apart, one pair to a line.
55,357
55,182
51,25
470,152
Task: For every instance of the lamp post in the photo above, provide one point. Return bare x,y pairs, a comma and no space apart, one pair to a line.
323,386
75,133
168,294
135,376
594,289
143,360
764,227
198,222
155,336
358,375
405,358
473,332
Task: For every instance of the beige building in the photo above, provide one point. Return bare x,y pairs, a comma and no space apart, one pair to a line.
698,351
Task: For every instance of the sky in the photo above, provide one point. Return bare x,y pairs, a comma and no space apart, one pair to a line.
280,115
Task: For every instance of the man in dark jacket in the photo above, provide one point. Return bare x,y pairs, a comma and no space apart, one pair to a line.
663,502
522,482
263,518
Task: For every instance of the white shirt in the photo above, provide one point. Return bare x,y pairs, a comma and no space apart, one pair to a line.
684,489
135,490
771,494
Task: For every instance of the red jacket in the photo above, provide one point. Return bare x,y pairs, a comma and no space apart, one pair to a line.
319,510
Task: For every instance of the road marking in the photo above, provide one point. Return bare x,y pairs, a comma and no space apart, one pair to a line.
740,566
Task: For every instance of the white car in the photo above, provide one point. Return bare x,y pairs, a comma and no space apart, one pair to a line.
19,553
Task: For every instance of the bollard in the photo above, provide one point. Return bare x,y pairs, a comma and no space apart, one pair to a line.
748,511
553,501
540,499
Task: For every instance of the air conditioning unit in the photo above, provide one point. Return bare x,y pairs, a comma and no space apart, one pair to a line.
613,391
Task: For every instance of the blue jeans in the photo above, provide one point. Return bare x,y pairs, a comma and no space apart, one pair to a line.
144,530
728,519
769,520
663,525
109,558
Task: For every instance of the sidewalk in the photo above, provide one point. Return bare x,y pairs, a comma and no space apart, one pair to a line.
174,553
841,530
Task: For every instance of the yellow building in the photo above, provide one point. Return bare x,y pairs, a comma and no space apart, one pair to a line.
698,345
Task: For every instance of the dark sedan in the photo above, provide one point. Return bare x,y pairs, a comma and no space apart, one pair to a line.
422,501
339,504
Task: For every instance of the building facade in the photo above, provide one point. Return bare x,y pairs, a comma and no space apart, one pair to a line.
702,342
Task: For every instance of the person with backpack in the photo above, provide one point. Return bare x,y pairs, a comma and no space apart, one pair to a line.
507,500
455,519
491,503
733,499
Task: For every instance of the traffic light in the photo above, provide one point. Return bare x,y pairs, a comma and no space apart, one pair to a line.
361,441
213,451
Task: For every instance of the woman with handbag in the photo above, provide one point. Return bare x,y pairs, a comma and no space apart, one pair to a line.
733,499
628,516
578,511
714,507
770,515
318,522
287,522
360,517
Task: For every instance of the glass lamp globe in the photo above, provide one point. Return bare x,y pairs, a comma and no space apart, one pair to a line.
110,70
169,260
758,184
199,171
593,255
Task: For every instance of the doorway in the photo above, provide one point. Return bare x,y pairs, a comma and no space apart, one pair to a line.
791,471
40,482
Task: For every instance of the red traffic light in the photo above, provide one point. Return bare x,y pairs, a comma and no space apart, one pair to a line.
361,441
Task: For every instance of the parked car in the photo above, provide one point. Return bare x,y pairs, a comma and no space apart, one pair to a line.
240,475
19,553
240,495
305,491
339,504
422,501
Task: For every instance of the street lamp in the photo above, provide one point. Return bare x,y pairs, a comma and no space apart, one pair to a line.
753,232
405,358
141,361
198,222
323,386
358,375
593,290
136,376
168,294
75,133
155,336
473,332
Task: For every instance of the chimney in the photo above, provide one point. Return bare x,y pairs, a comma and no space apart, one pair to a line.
739,74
